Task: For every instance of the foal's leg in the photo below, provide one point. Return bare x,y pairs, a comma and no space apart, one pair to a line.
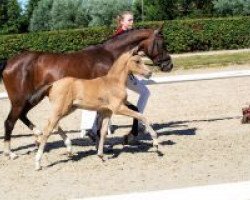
127,112
58,112
44,138
104,129
66,140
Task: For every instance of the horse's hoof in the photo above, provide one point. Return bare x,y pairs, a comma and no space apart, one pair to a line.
38,168
91,136
129,139
125,140
11,156
37,132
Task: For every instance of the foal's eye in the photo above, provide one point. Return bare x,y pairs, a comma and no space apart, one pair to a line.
137,61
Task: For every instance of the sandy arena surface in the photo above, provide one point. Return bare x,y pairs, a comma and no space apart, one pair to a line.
199,129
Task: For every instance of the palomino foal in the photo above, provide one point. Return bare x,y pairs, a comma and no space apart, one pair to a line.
106,94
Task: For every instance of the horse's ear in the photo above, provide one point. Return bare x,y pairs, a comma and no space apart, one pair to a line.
159,30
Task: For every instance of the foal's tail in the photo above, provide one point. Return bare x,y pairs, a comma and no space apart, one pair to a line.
39,94
3,64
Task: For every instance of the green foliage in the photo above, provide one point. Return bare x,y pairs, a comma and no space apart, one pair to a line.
180,36
10,16
154,10
228,7
102,12
63,14
169,9
31,6
41,17
3,13
66,14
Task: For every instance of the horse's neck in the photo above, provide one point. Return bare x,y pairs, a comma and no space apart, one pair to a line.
122,44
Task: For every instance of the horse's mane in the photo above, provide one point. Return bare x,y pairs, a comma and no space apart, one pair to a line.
114,38
122,35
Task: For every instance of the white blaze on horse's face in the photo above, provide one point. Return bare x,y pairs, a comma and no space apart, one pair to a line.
137,66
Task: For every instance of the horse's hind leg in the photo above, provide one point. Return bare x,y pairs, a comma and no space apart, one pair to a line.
124,110
9,126
134,131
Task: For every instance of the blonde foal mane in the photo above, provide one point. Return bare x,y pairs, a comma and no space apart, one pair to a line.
124,59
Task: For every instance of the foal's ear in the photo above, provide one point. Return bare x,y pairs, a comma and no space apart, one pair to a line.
134,51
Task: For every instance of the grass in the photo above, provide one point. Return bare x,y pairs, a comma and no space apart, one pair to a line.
216,60
208,61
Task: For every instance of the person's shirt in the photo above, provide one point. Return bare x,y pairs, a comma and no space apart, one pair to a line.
119,31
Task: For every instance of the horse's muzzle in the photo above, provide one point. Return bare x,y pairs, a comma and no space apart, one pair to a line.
148,75
166,66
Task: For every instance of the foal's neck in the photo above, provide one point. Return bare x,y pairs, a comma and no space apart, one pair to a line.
119,72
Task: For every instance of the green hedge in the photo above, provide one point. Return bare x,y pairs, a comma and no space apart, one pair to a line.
180,36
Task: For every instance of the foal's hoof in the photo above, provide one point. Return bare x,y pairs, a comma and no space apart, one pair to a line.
37,143
70,154
102,158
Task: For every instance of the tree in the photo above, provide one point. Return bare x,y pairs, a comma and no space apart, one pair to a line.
236,7
63,14
3,12
41,17
30,7
155,10
12,24
102,12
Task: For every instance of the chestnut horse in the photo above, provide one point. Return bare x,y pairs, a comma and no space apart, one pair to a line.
29,71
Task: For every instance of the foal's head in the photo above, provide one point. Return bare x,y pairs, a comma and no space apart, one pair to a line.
136,65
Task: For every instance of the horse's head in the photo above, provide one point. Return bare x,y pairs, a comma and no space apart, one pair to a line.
155,49
136,65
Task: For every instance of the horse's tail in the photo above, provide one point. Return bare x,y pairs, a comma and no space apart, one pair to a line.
39,94
3,64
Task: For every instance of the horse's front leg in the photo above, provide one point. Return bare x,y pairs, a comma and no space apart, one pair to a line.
124,110
23,117
9,126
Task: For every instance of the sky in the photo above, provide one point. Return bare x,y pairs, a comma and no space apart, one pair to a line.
22,2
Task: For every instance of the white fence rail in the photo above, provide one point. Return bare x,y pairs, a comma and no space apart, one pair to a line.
185,78
3,95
